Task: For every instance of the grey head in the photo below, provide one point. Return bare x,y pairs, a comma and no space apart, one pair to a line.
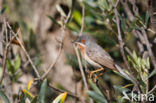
85,40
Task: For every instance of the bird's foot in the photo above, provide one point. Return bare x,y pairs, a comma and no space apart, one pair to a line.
91,74
95,71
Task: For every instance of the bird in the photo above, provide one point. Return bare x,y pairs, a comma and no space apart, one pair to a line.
95,55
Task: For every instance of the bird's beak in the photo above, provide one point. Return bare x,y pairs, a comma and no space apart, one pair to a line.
79,44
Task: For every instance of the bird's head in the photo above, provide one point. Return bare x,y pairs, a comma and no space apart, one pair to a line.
84,40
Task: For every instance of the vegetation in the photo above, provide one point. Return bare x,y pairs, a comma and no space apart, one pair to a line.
38,63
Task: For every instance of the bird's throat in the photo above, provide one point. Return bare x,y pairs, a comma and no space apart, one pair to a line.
82,49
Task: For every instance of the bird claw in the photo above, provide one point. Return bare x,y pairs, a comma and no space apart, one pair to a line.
91,75
94,79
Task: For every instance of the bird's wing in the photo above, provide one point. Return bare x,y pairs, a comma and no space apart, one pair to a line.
100,56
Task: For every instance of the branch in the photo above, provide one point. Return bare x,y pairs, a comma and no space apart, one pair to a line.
70,94
81,68
6,52
77,54
5,55
152,90
82,22
26,53
121,43
149,48
60,49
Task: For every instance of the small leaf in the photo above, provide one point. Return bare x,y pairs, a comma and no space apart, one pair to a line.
152,73
17,63
120,88
28,94
97,97
128,85
42,93
123,24
29,84
147,18
4,97
60,10
54,20
95,88
77,16
103,4
61,98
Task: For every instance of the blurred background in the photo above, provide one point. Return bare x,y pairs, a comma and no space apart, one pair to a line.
41,24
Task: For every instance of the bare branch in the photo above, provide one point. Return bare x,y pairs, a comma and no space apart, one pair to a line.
82,22
22,46
81,68
69,93
5,55
149,49
121,43
60,49
152,90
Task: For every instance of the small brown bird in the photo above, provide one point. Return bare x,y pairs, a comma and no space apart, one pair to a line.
94,54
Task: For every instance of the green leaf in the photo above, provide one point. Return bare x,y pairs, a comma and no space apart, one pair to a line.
17,63
77,16
152,73
54,20
97,97
147,18
120,89
123,24
95,88
10,66
42,93
103,4
4,97
60,10
61,98
28,94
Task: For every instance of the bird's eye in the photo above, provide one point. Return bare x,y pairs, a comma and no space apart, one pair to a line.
83,41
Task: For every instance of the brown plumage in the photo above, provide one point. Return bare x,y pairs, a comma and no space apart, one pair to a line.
93,53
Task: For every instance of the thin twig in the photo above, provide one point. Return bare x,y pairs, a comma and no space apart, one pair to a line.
76,49
82,22
60,49
26,53
81,68
121,43
5,55
52,65
128,51
149,49
152,90
77,54
62,91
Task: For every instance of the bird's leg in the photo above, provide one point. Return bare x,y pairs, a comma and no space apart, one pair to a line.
95,79
95,71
